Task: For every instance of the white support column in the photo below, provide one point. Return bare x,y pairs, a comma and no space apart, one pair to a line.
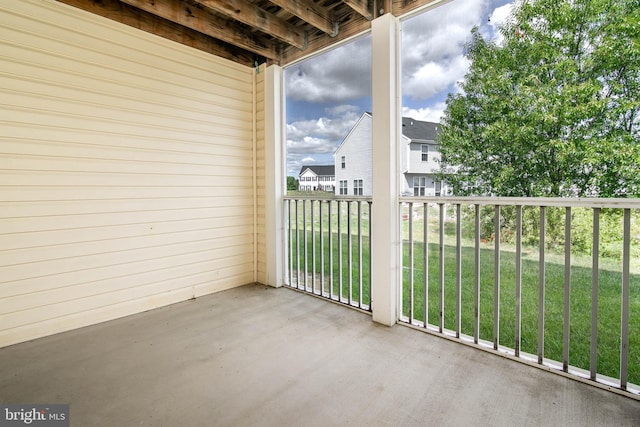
385,233
274,175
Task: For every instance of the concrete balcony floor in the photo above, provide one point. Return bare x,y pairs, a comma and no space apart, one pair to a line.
258,356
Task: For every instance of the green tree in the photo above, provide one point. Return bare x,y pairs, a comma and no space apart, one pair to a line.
292,183
554,108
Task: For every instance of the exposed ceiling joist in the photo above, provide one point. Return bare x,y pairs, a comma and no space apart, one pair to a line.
260,19
320,17
207,23
361,7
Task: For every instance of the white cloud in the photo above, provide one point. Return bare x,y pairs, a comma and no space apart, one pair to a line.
314,141
497,18
435,77
427,114
338,75
433,44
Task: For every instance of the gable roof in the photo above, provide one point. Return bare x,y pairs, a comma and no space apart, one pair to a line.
419,130
366,114
320,170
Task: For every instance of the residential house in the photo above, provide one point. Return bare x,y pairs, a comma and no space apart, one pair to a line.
418,155
317,178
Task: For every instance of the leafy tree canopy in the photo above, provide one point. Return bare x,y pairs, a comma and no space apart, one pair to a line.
292,183
553,109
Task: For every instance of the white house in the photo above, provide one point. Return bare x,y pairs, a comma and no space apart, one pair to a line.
317,178
419,155
352,160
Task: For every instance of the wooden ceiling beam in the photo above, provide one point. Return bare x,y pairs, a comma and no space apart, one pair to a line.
259,19
144,21
207,23
353,27
361,7
314,14
403,7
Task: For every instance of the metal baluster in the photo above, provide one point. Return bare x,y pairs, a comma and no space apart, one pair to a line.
541,285
340,250
476,291
321,217
411,265
304,230
425,241
290,248
624,342
518,325
595,268
458,268
330,203
359,253
350,254
297,247
441,315
567,290
313,248
496,280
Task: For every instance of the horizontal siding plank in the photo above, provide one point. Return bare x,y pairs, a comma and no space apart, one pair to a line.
20,318
114,212
224,257
45,180
124,126
43,238
23,42
136,263
74,138
73,163
16,265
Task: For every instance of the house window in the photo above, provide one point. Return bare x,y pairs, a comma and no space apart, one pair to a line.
343,188
419,185
438,188
425,153
357,187
343,162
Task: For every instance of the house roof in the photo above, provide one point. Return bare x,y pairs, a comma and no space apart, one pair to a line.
419,130
320,170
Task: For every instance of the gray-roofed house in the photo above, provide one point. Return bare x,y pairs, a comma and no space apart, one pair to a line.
419,158
317,178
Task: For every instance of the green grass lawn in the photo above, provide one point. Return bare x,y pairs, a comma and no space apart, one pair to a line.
609,296
609,305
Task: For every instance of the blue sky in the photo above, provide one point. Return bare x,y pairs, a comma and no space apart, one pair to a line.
328,93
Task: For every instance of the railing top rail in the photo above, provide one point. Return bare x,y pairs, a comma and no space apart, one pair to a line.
328,197
584,202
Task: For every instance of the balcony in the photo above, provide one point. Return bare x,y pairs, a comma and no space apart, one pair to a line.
257,355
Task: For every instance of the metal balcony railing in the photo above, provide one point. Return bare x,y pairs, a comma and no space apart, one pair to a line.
328,243
553,282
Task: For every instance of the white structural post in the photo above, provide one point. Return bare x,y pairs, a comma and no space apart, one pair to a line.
385,227
274,175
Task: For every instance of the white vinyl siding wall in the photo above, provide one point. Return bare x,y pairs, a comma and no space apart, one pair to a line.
126,171
356,148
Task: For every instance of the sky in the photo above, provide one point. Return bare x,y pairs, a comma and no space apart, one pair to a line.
326,94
